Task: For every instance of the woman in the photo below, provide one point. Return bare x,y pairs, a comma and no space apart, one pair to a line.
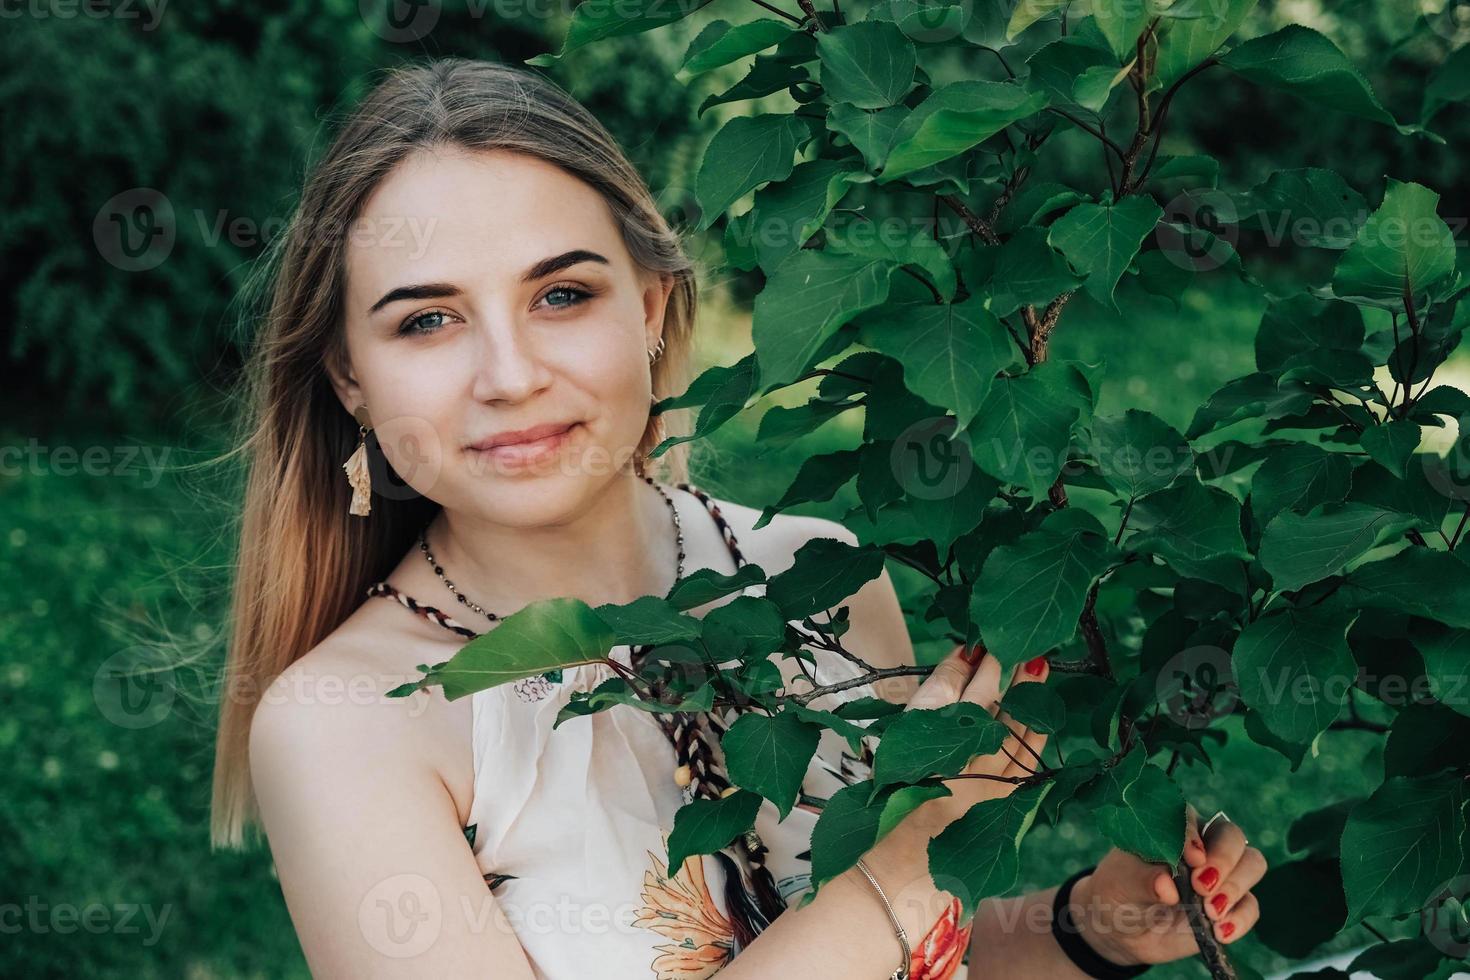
478,293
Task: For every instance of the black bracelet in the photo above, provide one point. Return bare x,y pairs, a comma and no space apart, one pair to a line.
1069,937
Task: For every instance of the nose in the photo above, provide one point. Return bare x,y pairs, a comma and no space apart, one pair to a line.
509,366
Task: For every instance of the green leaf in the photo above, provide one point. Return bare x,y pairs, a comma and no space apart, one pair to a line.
543,636
747,151
950,353
855,818
1446,655
1025,270
1392,444
756,624
1310,206
1030,594
1429,583
923,742
770,754
706,585
1028,12
1254,396
787,214
1122,24
1057,70
1298,477
1401,844
719,44
648,619
1191,525
1300,325
1150,822
704,826
1036,706
1404,249
981,851
722,390
869,64
1186,43
953,119
819,478
807,298
1102,239
1138,452
1301,62
593,20
1298,549
1021,433
871,132
1295,668
824,572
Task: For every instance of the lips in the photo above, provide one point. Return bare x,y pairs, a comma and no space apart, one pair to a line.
524,447
522,437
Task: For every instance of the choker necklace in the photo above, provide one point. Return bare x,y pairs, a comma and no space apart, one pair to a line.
468,603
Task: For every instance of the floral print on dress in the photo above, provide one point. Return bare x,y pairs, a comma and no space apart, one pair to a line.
939,953
681,908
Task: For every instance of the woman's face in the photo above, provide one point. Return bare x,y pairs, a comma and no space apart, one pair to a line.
490,292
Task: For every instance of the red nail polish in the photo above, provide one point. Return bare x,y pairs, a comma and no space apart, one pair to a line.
972,656
1209,877
1227,930
1219,903
1036,667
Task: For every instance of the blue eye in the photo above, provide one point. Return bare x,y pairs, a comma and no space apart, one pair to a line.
574,296
415,323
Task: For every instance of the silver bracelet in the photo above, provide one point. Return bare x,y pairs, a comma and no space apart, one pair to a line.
902,973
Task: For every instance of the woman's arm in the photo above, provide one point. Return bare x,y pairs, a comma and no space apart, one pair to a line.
377,874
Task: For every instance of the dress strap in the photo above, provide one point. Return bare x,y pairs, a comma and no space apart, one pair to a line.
720,522
428,612
438,617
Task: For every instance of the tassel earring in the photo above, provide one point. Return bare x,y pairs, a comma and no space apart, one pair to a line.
357,469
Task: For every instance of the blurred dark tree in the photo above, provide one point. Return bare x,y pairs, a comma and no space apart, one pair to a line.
149,161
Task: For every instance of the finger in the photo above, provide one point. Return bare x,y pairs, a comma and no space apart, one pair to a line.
1194,848
947,682
1239,921
1224,845
1248,871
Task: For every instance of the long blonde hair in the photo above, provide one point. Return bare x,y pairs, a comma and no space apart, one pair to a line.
295,434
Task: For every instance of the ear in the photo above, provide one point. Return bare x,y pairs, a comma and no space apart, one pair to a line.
655,301
343,381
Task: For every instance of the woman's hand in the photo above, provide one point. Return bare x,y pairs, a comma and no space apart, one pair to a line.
972,675
1129,910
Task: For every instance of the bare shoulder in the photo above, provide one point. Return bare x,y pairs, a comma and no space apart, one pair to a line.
332,704
774,546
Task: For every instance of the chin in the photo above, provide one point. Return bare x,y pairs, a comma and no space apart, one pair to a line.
554,495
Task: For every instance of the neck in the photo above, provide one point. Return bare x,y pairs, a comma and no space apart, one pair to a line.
614,548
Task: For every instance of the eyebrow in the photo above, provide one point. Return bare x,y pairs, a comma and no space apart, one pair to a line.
542,269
